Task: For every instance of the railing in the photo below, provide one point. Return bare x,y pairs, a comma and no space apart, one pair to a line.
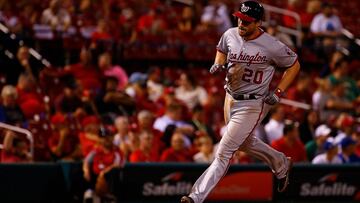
295,104
32,51
296,32
350,36
28,134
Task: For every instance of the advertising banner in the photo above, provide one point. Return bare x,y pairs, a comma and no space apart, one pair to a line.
167,182
317,183
244,185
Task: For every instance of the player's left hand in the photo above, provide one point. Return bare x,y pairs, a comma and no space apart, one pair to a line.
273,97
216,67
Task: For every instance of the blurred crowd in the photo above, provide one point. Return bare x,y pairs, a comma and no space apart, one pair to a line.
92,109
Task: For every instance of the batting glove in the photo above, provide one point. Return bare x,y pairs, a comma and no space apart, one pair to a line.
216,67
274,97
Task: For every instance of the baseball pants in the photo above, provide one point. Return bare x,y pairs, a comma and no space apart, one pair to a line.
241,116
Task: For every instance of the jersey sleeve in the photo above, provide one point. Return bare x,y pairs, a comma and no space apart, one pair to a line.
283,56
222,45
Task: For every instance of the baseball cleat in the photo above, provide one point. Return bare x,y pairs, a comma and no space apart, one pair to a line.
284,182
186,199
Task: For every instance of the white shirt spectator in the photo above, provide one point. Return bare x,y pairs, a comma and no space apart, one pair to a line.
201,158
274,130
155,90
322,159
220,17
118,139
321,23
162,122
191,97
60,20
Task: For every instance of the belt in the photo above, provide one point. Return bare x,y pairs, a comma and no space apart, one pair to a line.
244,96
241,96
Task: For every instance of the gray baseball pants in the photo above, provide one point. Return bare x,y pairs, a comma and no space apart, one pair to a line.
241,117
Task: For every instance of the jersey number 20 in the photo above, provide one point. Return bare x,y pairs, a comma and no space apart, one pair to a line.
249,76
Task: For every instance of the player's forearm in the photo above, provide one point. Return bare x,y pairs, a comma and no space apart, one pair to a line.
289,76
220,58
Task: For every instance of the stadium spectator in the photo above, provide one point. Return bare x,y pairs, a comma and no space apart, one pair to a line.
101,34
330,156
28,17
308,126
145,121
326,23
345,124
85,72
272,29
21,65
178,151
186,22
103,157
307,14
340,74
15,150
136,88
10,18
125,139
10,111
347,154
63,142
111,101
291,5
330,66
29,99
154,84
173,116
299,92
189,92
86,16
152,22
326,27
313,7
145,152
136,85
201,126
105,65
337,102
127,22
290,144
315,146
274,128
320,95
168,97
89,137
70,101
56,16
216,16
329,100
206,152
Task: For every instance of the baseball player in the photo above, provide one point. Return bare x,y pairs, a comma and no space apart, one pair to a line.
251,56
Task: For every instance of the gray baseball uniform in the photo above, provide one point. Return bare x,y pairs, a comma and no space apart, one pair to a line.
251,65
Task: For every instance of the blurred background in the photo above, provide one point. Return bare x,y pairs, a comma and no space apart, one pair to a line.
112,101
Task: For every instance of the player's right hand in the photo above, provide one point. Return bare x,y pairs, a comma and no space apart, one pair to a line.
274,97
216,67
